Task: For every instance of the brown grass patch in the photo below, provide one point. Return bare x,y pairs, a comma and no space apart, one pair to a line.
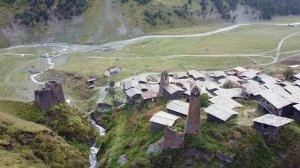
151,112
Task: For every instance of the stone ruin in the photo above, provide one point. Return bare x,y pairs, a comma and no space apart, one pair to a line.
173,139
51,95
164,81
192,126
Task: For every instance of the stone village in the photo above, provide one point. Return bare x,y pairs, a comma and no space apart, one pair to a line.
279,100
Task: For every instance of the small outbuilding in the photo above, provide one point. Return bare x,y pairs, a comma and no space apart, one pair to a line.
162,119
178,108
219,114
112,70
269,123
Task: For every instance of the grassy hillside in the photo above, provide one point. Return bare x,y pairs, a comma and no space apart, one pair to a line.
129,134
29,135
26,144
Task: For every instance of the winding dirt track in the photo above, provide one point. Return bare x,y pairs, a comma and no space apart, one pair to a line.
64,48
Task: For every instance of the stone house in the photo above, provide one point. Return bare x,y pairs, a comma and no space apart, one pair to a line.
272,102
133,95
161,120
219,114
269,123
173,92
178,108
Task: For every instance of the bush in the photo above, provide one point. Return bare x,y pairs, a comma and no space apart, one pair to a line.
204,100
289,73
228,84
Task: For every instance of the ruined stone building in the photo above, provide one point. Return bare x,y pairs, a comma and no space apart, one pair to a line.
51,95
193,119
172,139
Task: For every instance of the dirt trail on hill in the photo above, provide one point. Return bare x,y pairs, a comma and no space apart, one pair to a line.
64,48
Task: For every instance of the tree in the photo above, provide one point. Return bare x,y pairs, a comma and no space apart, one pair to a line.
204,100
112,83
288,73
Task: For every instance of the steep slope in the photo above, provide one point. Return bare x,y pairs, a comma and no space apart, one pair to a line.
26,144
62,141
219,145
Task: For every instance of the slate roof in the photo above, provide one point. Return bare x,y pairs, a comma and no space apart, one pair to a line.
219,112
272,120
250,73
182,75
171,88
130,84
240,69
297,76
297,107
275,99
252,87
196,74
231,93
148,95
297,83
141,78
132,92
178,106
164,118
218,74
225,102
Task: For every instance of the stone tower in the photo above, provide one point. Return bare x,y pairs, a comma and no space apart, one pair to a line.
51,95
164,81
192,126
44,99
57,91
